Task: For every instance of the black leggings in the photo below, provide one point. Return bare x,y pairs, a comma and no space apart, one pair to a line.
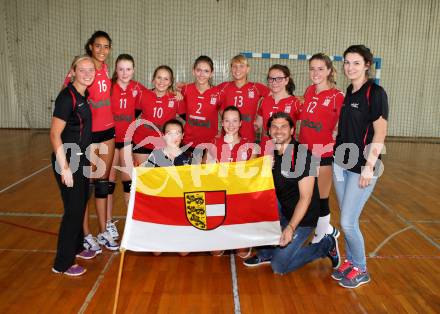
71,236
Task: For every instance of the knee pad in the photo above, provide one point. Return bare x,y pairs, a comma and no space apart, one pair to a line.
127,186
324,208
111,187
101,188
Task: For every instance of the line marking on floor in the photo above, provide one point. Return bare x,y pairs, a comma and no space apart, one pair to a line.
98,281
237,309
24,179
374,253
406,221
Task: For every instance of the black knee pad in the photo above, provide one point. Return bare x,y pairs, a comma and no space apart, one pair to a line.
325,209
101,188
127,186
111,187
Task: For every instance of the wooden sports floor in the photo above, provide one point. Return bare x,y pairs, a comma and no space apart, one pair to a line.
401,225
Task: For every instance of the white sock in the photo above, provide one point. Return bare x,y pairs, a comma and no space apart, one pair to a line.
323,227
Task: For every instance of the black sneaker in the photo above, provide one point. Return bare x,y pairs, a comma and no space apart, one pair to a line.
255,261
333,252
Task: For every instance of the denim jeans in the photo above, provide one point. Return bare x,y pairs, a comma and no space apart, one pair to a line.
351,200
295,255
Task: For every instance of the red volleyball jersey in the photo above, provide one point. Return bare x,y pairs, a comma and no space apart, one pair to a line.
201,111
246,99
156,110
239,152
290,105
124,103
319,116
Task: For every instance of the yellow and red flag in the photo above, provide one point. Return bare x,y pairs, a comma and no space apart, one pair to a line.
202,207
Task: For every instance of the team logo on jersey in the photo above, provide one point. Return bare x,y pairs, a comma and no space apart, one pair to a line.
213,100
326,102
171,104
205,210
287,109
354,105
251,94
134,92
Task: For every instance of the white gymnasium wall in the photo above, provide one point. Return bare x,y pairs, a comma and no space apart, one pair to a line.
39,38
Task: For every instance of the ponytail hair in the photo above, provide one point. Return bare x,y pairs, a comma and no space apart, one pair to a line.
290,87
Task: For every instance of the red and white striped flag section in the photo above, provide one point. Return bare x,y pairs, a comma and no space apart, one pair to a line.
202,208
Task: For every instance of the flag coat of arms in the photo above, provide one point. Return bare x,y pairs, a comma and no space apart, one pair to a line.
202,207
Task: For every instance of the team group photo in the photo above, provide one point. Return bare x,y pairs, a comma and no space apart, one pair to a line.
199,167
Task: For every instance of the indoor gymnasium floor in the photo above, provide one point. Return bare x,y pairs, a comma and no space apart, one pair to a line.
400,223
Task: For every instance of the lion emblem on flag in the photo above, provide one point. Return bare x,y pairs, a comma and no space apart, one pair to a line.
205,210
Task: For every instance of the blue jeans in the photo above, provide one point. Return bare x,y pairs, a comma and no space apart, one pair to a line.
351,200
295,255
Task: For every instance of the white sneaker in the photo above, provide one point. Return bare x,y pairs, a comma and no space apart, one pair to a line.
112,230
106,239
91,243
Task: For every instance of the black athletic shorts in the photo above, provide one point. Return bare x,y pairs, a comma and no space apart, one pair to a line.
326,161
141,150
102,136
119,145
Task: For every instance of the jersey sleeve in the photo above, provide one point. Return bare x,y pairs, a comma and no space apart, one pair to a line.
140,90
222,95
63,105
262,89
378,103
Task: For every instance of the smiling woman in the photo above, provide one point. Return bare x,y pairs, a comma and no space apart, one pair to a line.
72,125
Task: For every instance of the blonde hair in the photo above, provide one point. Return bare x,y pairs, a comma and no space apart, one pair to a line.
239,59
75,61
78,59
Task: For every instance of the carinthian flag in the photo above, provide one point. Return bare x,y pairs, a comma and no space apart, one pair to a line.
202,207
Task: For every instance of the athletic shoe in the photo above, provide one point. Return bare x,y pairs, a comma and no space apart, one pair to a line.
86,254
255,261
91,243
342,270
318,237
73,271
333,252
106,240
112,230
355,278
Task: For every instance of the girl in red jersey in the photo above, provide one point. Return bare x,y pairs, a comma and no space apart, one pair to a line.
125,95
281,98
98,47
231,147
319,119
157,106
243,94
201,105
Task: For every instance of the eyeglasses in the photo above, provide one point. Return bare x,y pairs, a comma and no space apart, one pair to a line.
278,79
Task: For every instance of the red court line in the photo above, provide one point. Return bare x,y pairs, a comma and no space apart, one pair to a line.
28,228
